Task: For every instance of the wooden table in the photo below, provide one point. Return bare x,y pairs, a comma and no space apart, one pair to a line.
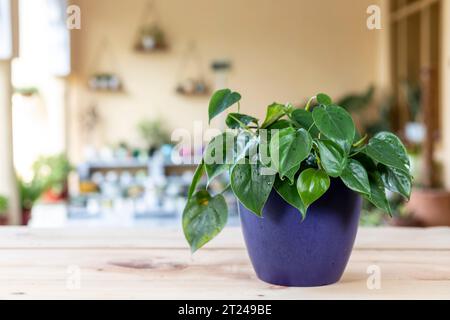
149,264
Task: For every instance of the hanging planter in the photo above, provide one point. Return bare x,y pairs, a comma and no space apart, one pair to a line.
192,85
150,36
105,81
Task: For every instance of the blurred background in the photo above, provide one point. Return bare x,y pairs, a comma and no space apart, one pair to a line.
91,91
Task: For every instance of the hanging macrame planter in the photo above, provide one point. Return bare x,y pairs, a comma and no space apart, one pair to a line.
192,85
105,80
150,37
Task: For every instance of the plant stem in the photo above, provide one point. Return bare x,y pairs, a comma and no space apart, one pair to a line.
361,141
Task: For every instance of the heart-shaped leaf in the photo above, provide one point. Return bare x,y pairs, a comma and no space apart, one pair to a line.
290,175
324,99
274,112
396,180
219,155
336,124
355,177
251,187
288,148
222,100
378,193
387,149
196,179
311,185
332,157
238,120
203,218
305,120
290,194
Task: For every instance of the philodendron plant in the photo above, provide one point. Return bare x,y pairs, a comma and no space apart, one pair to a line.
296,152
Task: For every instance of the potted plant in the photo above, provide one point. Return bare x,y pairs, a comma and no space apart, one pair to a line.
151,38
51,173
29,193
4,205
154,134
299,177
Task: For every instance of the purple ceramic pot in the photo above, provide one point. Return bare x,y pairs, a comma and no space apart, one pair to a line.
288,252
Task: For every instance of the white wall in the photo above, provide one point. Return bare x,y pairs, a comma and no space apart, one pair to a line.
282,50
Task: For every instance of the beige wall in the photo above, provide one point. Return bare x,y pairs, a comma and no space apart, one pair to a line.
283,50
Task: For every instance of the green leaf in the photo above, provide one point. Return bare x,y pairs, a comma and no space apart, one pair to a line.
305,120
237,120
222,100
355,177
331,157
288,148
196,179
251,187
311,185
378,192
324,99
396,180
290,175
280,124
204,218
274,113
219,155
336,124
387,149
290,194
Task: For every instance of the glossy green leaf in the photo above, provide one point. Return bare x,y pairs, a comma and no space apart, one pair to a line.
288,148
290,175
203,218
332,157
396,180
222,100
290,194
378,192
324,99
219,155
251,187
387,149
274,113
280,124
336,124
305,120
355,177
198,174
311,185
238,120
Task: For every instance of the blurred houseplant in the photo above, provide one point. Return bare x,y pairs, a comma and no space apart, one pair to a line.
4,205
154,134
430,201
304,171
51,173
29,193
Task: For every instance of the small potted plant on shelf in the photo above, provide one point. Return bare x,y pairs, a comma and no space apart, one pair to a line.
151,38
154,134
299,176
4,205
